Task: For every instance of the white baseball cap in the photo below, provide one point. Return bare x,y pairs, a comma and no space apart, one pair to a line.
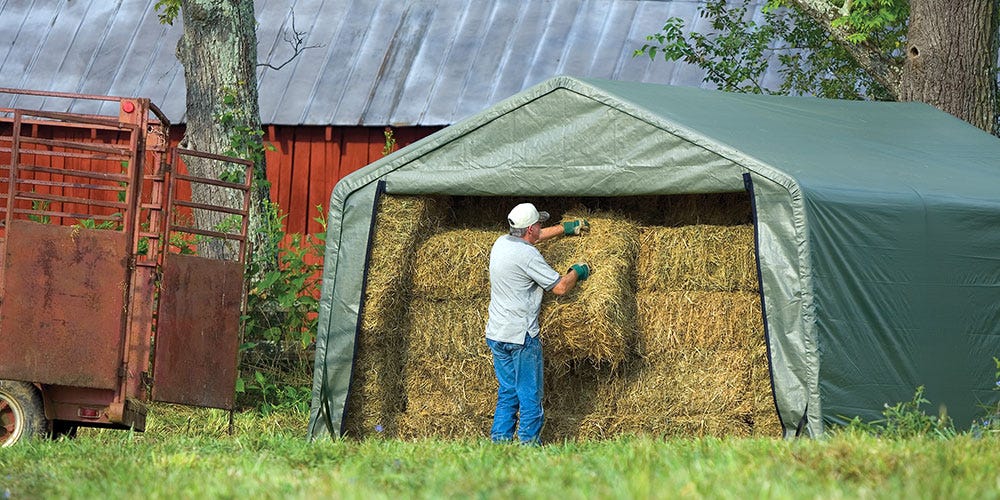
525,215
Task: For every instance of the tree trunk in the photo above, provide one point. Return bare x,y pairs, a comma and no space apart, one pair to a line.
218,50
951,56
951,59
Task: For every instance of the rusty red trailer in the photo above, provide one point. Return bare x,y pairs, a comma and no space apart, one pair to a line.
109,295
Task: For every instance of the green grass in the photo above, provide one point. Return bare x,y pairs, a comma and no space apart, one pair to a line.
189,454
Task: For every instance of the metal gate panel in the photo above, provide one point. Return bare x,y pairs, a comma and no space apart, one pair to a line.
197,331
62,315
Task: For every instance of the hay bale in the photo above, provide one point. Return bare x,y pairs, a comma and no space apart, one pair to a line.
764,413
454,264
596,320
445,426
449,368
680,338
684,392
450,372
698,320
376,396
401,224
489,213
723,209
701,257
603,426
684,382
441,386
453,328
449,387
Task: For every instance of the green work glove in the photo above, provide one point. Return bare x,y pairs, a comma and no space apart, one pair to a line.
582,270
575,227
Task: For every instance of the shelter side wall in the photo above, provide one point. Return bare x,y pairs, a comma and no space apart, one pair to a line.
906,296
348,233
787,296
964,255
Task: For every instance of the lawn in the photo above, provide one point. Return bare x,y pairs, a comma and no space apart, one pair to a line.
188,454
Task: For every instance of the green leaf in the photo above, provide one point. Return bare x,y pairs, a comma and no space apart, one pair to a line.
268,280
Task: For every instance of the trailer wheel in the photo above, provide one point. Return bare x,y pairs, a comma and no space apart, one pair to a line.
22,414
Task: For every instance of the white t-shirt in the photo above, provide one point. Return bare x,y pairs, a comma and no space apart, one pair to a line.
518,277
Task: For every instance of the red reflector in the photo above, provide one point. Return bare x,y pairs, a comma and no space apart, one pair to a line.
89,413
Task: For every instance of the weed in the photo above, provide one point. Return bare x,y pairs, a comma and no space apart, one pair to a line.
989,423
280,326
907,420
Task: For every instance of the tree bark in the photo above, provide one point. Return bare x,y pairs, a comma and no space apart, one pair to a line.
218,50
951,58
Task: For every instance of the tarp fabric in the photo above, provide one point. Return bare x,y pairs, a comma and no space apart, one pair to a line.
878,227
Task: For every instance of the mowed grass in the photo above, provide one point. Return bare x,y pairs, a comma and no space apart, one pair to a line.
189,454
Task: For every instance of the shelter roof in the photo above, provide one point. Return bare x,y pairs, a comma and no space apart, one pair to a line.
862,146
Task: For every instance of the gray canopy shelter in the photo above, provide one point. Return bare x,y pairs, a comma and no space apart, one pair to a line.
877,224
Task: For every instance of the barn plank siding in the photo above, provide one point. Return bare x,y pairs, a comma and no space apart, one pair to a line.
307,161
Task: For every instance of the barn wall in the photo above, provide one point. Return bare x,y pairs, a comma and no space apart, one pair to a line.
307,161
304,165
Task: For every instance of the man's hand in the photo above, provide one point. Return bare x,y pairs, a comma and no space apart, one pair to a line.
582,270
575,227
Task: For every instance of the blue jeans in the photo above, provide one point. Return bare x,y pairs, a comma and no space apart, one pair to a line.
519,397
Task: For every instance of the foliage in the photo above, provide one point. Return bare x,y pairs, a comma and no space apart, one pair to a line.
280,320
733,55
280,324
292,287
245,142
989,423
271,395
40,206
881,22
737,51
93,224
906,420
390,141
167,10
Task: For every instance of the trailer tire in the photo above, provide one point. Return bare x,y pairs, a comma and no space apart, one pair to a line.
22,413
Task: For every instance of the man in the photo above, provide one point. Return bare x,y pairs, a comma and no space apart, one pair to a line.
518,276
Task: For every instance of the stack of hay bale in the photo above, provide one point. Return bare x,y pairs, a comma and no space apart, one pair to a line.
701,366
449,382
664,339
376,400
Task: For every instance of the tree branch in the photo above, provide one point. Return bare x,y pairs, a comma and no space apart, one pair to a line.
881,68
297,40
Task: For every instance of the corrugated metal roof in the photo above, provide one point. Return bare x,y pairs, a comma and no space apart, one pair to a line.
377,62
